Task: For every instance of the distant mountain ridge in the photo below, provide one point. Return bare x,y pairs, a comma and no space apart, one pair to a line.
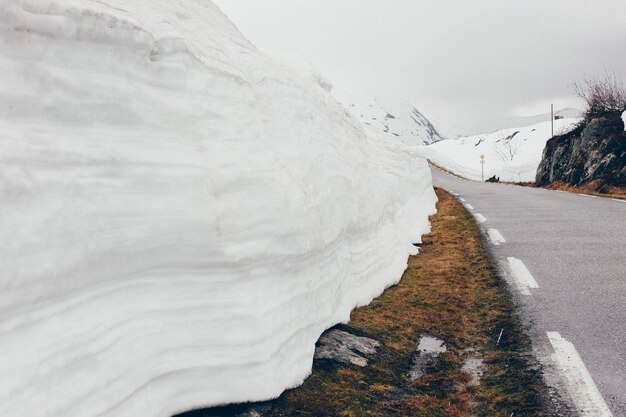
395,117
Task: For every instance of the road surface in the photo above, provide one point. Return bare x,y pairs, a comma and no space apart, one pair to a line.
564,255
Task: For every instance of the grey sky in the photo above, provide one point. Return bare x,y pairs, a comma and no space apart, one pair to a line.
470,66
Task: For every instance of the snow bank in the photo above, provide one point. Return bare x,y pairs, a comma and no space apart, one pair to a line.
511,154
303,67
181,218
624,119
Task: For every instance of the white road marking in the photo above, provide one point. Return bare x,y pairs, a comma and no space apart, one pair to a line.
469,206
496,237
580,385
462,199
588,195
522,276
621,201
480,218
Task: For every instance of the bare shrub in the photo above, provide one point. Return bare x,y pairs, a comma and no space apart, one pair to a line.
601,95
507,147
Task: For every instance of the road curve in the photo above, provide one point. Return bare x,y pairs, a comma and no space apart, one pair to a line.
564,255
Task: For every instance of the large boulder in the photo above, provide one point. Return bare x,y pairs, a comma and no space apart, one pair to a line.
346,348
595,150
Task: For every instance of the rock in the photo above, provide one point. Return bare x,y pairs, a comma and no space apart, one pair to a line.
428,353
344,347
493,179
595,150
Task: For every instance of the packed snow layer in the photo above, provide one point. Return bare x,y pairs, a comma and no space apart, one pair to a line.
394,117
181,217
511,154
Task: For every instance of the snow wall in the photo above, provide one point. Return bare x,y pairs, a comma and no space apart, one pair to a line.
181,217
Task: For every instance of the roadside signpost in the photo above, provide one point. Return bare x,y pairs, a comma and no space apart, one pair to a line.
482,166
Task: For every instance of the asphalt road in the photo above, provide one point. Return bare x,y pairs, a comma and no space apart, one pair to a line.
569,274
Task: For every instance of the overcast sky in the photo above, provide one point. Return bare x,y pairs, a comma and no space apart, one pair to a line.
469,66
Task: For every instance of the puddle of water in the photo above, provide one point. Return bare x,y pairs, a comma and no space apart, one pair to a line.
432,345
429,350
472,366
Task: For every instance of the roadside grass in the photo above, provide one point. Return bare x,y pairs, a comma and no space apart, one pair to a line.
596,188
451,291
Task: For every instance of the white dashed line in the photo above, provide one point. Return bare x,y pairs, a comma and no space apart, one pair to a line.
580,385
522,276
496,237
588,195
469,206
480,217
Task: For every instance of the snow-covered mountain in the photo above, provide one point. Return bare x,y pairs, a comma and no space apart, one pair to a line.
510,154
181,217
395,117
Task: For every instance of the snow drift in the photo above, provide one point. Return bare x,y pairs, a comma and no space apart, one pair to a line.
510,154
181,218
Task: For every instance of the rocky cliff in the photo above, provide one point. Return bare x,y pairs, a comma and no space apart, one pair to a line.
594,151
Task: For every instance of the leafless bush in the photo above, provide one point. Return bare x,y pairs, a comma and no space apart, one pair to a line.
601,95
507,147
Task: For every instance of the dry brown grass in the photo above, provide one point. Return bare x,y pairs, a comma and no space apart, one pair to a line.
451,291
350,374
598,188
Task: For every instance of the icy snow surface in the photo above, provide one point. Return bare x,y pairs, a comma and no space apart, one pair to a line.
180,217
624,119
511,154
